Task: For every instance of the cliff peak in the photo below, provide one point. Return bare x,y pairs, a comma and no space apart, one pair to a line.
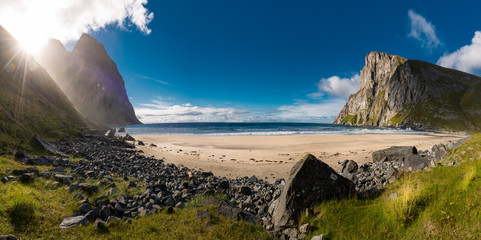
396,92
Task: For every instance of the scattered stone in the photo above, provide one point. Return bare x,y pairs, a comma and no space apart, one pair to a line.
100,224
140,143
246,190
204,214
88,188
69,222
37,142
121,130
65,179
25,170
348,166
393,196
27,177
85,208
318,237
8,237
20,155
304,228
209,202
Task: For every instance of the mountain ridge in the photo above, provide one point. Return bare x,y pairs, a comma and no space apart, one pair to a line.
91,80
31,102
397,92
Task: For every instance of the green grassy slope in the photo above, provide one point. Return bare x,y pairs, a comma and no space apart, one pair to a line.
451,101
31,103
35,210
440,203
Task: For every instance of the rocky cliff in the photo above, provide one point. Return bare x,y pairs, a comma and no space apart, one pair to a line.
396,92
31,103
91,80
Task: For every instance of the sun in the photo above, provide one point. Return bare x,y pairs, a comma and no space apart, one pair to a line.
29,42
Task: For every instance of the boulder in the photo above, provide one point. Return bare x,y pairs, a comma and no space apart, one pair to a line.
310,182
39,143
415,163
439,151
121,130
395,153
204,214
110,133
348,166
88,188
69,222
25,170
20,155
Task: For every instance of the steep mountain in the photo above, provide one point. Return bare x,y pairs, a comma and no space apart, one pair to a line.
396,92
31,103
91,80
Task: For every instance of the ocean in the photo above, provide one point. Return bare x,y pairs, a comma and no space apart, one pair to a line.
256,129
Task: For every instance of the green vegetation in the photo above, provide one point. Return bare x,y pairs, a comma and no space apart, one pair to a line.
352,119
439,203
31,103
35,210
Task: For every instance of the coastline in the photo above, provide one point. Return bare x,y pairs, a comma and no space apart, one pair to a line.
270,157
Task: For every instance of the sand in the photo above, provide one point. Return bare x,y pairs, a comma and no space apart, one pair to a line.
270,157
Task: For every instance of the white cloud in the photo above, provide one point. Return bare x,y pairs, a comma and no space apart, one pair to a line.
423,31
336,86
159,111
66,20
467,58
319,112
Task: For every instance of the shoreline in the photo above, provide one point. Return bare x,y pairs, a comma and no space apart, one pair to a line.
270,157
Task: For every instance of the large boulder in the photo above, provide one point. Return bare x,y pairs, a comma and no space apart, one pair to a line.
310,182
394,153
415,163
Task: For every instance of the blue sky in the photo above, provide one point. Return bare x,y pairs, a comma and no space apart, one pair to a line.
229,60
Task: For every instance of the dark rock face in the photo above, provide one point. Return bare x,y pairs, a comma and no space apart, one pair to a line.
310,182
395,153
397,92
91,81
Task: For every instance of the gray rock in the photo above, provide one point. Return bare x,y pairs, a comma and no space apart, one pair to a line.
20,155
318,237
204,214
439,151
18,172
65,179
121,130
246,190
8,237
88,188
393,196
132,184
209,202
291,233
349,166
73,221
100,224
93,214
37,142
85,208
309,183
57,170
304,228
27,177
416,163
395,153
105,213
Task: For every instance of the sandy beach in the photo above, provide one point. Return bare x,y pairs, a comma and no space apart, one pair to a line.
270,157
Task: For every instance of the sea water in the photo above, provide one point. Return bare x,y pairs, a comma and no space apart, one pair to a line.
257,129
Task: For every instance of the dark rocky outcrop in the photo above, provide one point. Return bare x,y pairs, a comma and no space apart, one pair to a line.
394,153
396,92
91,80
310,182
